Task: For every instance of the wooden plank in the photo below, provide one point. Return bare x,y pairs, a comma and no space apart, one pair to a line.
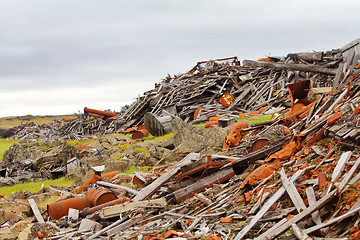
339,168
292,191
73,215
113,211
123,226
274,198
127,189
89,225
348,175
312,200
290,66
172,171
217,177
273,232
332,221
36,211
299,233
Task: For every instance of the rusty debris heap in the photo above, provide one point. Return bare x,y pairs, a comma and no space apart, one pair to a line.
294,177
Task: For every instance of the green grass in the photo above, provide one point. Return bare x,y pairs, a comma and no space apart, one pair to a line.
5,144
34,186
131,170
8,122
78,142
159,138
257,119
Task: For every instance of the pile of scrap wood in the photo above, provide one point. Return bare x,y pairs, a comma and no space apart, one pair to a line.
85,125
223,87
295,177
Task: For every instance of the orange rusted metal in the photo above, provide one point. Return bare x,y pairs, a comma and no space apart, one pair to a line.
94,178
205,167
215,118
238,126
260,173
302,110
232,140
99,112
197,111
334,118
99,196
299,91
141,127
140,133
288,150
259,144
227,99
234,137
93,198
226,220
60,208
130,130
110,175
357,110
268,59
211,124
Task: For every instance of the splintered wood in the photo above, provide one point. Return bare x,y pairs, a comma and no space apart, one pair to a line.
295,177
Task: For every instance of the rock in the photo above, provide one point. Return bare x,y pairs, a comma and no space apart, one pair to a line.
167,143
43,153
20,195
8,215
7,181
19,226
46,229
190,139
15,206
158,152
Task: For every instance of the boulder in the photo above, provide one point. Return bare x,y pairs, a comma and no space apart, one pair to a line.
43,153
190,139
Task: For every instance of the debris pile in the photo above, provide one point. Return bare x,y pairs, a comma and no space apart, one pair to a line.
85,125
294,177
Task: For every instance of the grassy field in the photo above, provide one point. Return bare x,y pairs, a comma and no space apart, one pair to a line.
8,122
4,145
34,186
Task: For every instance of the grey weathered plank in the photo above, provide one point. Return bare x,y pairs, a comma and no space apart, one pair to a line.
172,171
36,211
300,234
273,232
292,191
127,189
274,198
312,200
290,66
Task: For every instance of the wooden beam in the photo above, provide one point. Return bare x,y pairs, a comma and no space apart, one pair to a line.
217,177
272,232
172,171
127,189
300,234
332,221
290,66
36,211
274,198
113,211
312,201
292,192
339,168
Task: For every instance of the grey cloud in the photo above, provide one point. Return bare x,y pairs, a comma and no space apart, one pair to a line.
62,43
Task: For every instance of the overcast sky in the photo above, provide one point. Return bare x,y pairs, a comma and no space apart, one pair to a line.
59,56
